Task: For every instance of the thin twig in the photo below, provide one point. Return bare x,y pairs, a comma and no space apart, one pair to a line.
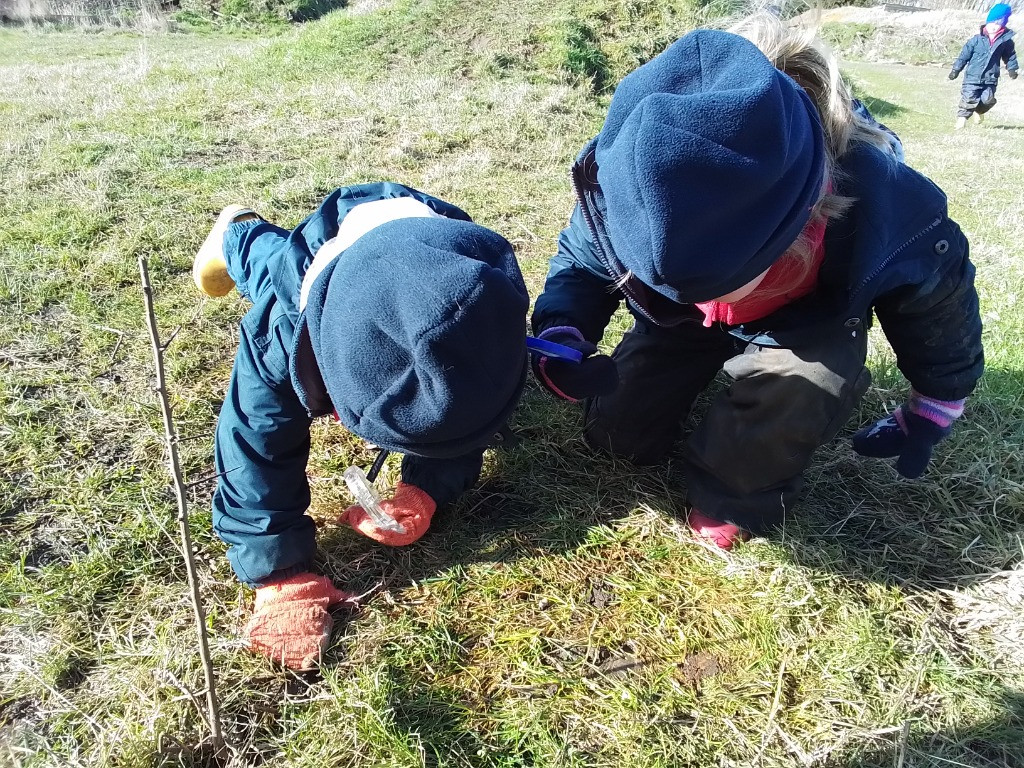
179,490
174,334
207,478
357,599
170,338
187,693
200,436
117,346
904,736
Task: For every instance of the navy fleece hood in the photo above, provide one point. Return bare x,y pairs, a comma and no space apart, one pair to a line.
418,330
710,160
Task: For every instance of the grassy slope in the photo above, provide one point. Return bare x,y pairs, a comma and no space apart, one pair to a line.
559,615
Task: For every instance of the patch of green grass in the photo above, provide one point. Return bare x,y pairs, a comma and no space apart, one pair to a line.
559,614
578,53
845,36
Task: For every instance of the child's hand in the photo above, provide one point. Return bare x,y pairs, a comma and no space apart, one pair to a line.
290,622
953,74
594,376
911,433
411,507
1012,73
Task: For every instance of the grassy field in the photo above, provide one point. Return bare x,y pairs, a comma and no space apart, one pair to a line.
559,615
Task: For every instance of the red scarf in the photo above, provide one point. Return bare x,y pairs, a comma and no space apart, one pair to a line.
767,298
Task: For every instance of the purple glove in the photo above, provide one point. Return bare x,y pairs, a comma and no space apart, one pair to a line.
911,433
593,376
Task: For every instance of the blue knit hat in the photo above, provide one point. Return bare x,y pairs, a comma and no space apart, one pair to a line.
709,160
419,333
1000,12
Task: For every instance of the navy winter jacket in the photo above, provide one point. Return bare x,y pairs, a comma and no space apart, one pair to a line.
982,58
263,439
895,252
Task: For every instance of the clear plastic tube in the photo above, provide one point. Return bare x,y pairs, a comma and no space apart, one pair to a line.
367,497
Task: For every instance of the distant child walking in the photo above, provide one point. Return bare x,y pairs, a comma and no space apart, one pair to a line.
389,309
753,222
982,56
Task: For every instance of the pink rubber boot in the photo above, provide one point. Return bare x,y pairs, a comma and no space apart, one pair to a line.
722,535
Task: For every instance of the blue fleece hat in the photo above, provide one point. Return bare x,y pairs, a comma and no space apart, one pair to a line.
709,160
419,333
1000,12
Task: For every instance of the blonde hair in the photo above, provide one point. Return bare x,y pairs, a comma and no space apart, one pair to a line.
802,56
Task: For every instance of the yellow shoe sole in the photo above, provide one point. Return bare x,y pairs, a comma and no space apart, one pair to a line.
209,270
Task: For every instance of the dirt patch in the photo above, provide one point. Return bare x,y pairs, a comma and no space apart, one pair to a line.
699,667
24,708
74,674
53,542
171,752
600,596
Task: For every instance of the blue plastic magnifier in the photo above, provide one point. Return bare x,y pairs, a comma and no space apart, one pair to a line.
547,348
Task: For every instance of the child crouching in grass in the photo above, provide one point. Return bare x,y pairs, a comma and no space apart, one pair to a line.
390,309
753,223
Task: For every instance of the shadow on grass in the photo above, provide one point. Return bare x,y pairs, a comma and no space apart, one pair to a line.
311,10
881,108
858,520
435,718
857,517
995,743
959,524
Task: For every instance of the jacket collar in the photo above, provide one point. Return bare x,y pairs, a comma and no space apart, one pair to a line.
1005,34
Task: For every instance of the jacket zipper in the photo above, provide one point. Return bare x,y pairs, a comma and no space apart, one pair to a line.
894,254
573,176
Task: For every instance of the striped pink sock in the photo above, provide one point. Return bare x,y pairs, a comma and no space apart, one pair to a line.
940,412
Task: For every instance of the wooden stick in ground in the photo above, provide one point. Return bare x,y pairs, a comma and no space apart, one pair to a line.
179,491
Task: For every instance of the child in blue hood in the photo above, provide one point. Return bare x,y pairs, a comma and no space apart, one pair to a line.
752,221
391,310
982,56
